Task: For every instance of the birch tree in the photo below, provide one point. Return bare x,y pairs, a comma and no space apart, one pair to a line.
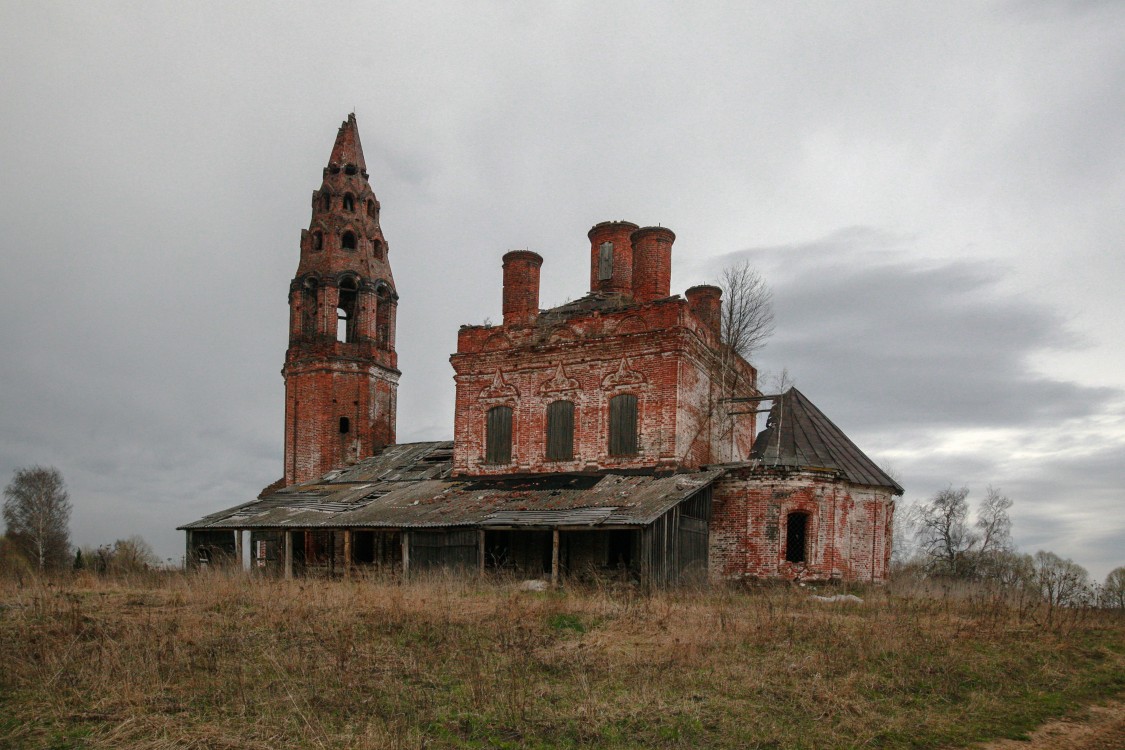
37,516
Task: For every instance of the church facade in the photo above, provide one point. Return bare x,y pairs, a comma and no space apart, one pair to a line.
613,435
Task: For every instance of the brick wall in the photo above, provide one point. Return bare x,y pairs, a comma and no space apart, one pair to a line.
848,527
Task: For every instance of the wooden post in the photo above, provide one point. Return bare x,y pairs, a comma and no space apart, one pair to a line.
405,555
347,553
555,558
191,562
238,549
480,550
288,554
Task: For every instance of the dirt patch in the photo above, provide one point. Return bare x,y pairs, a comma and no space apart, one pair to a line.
1102,728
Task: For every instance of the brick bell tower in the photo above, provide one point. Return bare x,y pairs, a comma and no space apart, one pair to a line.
341,373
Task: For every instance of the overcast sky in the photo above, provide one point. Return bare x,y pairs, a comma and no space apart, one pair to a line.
935,191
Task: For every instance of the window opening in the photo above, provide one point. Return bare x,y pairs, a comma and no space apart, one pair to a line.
345,425
350,169
623,425
498,435
605,261
796,528
326,200
346,312
371,208
560,431
349,202
348,241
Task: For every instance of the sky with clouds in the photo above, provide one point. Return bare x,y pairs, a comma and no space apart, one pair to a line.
934,191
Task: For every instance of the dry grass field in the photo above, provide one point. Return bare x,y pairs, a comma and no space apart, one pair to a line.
217,661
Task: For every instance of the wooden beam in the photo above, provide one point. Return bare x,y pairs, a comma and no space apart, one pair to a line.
555,558
480,551
405,555
288,554
347,553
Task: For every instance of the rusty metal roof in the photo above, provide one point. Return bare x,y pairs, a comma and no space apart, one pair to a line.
408,486
799,435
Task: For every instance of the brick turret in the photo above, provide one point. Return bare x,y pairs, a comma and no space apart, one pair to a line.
706,301
521,287
652,263
341,375
611,257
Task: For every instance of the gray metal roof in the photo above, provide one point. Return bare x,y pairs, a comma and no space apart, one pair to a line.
408,486
799,435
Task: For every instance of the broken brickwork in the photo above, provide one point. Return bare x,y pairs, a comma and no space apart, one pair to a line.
627,337
341,373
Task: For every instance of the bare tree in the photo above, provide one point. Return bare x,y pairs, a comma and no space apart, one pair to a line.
953,546
132,555
1113,591
943,530
747,309
994,526
37,515
1062,582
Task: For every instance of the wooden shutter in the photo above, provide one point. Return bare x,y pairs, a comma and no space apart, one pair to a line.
560,431
498,447
623,425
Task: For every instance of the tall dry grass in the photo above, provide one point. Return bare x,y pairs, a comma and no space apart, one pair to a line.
225,661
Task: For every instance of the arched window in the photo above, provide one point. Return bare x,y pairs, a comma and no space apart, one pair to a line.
318,241
796,537
623,425
349,202
498,435
326,200
346,311
560,431
348,241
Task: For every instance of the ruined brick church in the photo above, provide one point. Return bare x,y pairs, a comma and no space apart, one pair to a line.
612,435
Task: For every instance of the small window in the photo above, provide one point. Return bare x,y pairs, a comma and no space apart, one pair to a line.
349,202
796,537
350,169
560,431
605,261
498,437
348,241
623,425
326,200
317,241
345,425
371,208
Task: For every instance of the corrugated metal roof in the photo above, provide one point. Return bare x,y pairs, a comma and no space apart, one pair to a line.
407,486
798,434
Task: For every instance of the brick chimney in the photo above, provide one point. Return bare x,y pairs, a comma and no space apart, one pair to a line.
611,257
521,287
652,263
707,304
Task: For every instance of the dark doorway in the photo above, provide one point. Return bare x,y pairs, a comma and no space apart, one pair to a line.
796,526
